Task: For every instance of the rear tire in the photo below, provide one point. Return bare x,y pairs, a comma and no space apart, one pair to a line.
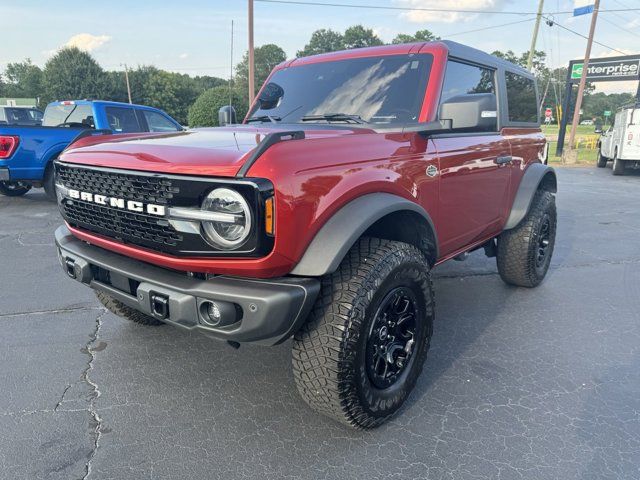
362,350
120,309
49,182
618,165
524,252
14,189
602,160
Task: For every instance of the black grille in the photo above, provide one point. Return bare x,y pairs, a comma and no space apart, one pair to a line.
148,189
127,226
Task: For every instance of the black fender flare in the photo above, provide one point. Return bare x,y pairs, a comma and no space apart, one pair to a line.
535,175
346,226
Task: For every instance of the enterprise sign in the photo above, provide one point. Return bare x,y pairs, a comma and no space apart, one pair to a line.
607,69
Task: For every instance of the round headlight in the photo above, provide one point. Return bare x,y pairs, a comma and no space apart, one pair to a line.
231,225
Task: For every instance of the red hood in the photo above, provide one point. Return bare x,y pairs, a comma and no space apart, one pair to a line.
206,151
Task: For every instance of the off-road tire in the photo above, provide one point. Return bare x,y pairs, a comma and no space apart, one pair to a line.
120,309
329,352
49,182
518,248
602,160
14,189
618,165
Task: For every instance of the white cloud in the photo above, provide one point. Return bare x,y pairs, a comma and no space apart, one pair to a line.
182,56
422,16
87,42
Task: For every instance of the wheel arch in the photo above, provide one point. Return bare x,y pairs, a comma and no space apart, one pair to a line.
536,177
381,215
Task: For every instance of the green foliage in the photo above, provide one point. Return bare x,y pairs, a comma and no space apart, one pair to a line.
322,41
72,74
266,58
327,40
419,36
358,37
204,111
23,79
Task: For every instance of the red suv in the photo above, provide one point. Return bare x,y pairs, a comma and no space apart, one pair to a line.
321,216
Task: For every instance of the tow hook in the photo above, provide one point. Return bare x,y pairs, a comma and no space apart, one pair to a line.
160,306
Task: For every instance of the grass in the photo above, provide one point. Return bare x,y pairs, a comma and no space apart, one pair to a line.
585,139
583,130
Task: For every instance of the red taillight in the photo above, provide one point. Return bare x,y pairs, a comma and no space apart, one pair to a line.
8,145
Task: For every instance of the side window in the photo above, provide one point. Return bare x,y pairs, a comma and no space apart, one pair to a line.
2,116
521,98
158,122
122,120
461,78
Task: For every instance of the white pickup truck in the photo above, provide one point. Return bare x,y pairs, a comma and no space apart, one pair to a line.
621,141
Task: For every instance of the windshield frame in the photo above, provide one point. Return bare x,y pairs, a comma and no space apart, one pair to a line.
428,68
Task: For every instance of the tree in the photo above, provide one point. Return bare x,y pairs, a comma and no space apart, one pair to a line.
204,111
419,36
24,79
322,41
266,58
171,92
72,74
357,37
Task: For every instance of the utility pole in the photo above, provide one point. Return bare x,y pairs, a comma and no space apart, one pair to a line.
583,78
126,77
252,90
534,39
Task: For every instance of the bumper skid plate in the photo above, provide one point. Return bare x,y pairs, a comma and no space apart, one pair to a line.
226,308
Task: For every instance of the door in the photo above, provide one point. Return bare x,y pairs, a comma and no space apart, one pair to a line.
474,167
475,173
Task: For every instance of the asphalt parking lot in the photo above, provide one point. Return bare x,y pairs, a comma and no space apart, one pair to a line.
535,384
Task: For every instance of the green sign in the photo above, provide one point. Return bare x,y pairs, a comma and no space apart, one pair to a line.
576,70
607,113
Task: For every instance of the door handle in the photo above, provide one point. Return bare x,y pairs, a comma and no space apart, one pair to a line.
503,159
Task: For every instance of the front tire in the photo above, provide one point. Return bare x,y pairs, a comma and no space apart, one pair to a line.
618,165
49,182
360,354
524,252
602,160
14,189
120,309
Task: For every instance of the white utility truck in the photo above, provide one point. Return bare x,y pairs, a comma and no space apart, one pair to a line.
621,141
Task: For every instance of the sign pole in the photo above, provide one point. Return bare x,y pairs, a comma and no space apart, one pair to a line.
583,78
565,114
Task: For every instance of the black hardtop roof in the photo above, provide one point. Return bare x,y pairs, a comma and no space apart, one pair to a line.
471,54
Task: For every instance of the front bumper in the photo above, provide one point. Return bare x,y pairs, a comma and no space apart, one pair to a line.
265,311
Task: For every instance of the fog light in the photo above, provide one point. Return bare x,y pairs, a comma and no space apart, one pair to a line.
218,314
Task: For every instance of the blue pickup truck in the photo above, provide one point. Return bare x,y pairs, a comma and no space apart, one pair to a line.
26,152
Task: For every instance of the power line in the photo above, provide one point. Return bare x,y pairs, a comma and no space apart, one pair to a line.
426,9
489,27
553,22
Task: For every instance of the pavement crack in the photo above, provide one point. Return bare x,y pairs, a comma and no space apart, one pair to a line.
86,377
52,311
61,401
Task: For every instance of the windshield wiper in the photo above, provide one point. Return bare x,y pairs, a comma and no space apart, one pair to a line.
336,117
264,118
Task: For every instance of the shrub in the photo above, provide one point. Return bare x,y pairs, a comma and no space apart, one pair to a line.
204,111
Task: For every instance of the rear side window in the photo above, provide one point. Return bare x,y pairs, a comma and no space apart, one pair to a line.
158,122
122,120
68,115
521,98
462,78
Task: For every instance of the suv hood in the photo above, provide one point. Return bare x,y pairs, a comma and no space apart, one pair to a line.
206,151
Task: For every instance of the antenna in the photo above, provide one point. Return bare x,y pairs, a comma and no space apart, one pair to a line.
231,69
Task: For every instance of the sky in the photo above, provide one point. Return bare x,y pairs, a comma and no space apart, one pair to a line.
194,36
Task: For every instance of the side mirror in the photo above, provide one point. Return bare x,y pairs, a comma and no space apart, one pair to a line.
227,115
270,96
473,111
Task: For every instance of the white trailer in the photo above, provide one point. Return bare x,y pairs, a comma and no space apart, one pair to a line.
621,141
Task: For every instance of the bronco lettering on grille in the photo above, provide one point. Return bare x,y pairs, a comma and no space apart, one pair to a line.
131,205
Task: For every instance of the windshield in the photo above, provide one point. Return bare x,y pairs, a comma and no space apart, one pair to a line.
69,115
376,90
18,116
